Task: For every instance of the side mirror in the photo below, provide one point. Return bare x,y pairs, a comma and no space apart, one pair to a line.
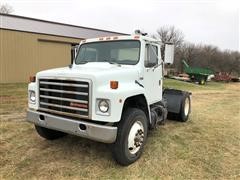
169,54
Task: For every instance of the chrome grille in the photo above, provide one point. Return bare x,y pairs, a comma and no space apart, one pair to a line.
65,97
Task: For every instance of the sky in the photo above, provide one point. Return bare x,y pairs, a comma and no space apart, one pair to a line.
214,22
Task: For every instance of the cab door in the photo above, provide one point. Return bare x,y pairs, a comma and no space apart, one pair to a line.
152,73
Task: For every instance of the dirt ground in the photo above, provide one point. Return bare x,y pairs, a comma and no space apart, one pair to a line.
205,147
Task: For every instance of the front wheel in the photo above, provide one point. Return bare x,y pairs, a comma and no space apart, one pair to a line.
131,137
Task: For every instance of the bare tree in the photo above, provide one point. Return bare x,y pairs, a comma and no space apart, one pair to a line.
209,56
205,56
170,34
188,51
6,9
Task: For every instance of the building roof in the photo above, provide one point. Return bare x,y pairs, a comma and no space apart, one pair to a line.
26,24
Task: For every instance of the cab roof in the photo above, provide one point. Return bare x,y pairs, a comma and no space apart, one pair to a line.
126,37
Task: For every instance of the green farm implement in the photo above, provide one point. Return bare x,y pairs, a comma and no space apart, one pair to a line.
196,74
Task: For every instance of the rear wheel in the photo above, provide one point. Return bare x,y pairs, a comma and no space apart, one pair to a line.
131,137
185,108
49,134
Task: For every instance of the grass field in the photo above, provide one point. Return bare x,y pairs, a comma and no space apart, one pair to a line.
205,147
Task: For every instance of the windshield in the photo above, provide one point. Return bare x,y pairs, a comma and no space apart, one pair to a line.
120,52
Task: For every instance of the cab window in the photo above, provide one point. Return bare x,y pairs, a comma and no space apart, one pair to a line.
151,55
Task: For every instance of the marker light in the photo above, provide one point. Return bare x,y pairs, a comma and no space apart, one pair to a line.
32,78
113,84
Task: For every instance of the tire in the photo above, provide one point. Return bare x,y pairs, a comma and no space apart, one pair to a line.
202,81
49,134
185,108
133,122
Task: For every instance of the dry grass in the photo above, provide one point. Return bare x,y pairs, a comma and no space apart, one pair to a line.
206,147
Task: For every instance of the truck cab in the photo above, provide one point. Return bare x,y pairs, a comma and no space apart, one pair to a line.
111,93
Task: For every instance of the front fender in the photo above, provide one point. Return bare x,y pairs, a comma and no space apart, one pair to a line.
117,98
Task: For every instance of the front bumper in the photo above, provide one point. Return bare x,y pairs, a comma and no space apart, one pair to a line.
101,133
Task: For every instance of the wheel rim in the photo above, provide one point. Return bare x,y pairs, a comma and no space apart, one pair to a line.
186,106
135,137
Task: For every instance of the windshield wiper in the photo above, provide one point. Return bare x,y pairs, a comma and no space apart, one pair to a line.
83,62
114,63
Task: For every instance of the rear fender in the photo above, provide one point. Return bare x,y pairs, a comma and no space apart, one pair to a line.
174,99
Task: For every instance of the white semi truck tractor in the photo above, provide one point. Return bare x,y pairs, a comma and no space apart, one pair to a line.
111,93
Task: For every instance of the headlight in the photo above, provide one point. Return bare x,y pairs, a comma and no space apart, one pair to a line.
32,96
103,106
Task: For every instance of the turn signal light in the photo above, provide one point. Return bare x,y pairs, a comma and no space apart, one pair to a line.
114,84
32,78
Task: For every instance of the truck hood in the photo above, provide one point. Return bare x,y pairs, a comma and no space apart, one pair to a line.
96,71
